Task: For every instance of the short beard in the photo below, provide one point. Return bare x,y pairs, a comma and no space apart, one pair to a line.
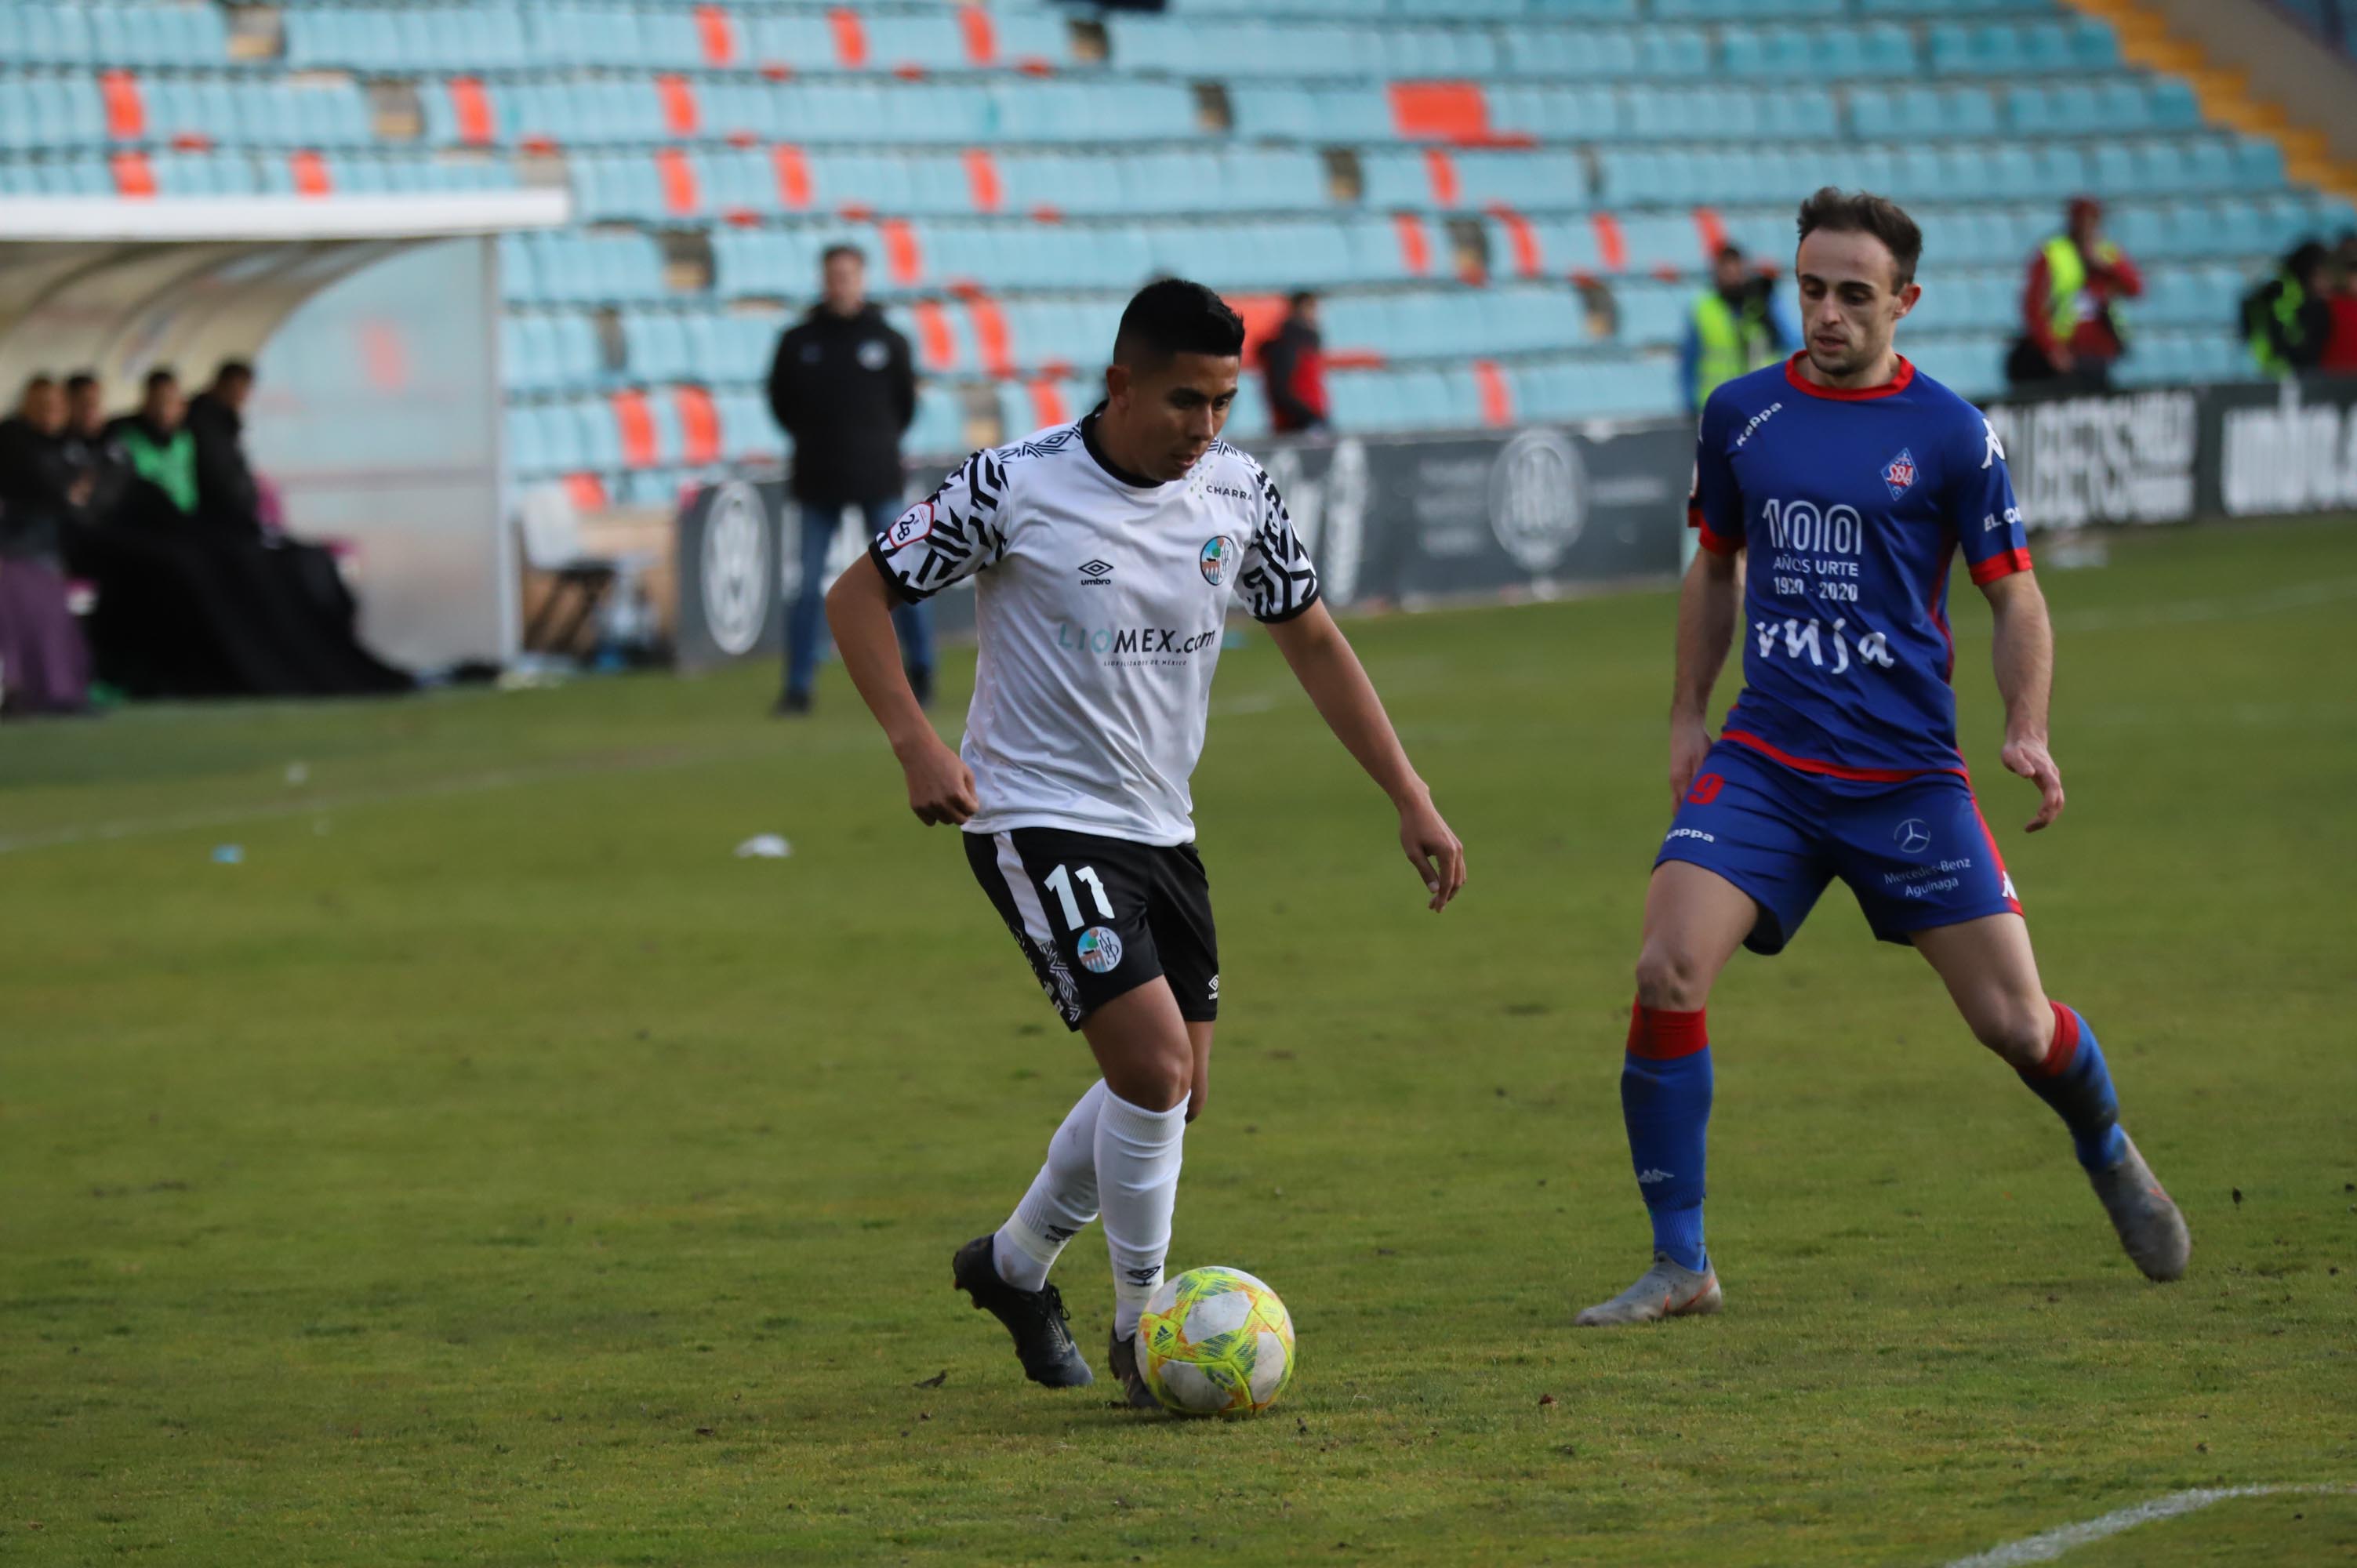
1853,360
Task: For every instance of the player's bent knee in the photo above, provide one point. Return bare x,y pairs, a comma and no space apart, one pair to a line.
1669,979
2020,1035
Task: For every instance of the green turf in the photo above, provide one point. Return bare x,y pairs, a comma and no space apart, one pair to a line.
491,1168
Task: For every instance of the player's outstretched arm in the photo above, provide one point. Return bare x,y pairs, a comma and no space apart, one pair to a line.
1337,682
859,612
2024,679
1706,606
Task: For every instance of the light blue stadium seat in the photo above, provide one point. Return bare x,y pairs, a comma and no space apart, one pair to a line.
54,34
2172,105
2093,45
2256,165
2045,47
525,452
939,428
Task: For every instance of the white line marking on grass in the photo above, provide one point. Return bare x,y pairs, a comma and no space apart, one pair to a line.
431,788
2049,1545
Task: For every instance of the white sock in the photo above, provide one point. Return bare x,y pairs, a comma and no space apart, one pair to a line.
1061,1202
1137,1183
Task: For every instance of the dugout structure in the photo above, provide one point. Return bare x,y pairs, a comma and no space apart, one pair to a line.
374,324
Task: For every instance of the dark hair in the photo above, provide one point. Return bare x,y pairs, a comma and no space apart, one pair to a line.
232,370
160,376
1838,212
80,380
826,257
1731,251
1301,297
38,380
1171,316
2305,258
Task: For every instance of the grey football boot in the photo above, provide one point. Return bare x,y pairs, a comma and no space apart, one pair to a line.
1121,1357
1665,1290
2150,1227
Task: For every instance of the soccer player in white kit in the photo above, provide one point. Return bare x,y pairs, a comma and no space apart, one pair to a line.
1104,554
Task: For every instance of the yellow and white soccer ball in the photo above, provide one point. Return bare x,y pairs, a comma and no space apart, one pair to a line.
1215,1342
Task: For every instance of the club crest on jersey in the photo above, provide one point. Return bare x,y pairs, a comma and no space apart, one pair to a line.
1099,949
1899,473
1218,551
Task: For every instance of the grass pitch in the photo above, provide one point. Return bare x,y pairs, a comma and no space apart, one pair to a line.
490,1168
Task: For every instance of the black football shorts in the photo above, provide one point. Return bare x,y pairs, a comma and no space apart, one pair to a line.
1100,917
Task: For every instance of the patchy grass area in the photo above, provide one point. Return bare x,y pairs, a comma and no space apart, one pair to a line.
493,1168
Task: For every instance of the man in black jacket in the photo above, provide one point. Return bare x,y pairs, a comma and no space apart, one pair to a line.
842,389
1294,360
227,495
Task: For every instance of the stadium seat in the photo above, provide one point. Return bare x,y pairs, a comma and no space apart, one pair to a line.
975,150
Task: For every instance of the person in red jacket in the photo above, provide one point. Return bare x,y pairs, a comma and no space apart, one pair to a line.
2071,334
2341,343
1294,360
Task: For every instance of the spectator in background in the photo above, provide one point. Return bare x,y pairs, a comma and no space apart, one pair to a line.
227,498
2071,335
1734,327
88,451
842,389
156,443
2287,319
1294,360
2341,340
44,666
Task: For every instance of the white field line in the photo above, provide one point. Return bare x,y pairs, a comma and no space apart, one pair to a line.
430,788
2049,1544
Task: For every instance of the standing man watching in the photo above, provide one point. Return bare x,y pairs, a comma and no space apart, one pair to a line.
2287,318
2071,334
1734,328
1294,362
842,389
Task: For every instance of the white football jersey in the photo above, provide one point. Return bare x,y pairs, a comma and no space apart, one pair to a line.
1099,607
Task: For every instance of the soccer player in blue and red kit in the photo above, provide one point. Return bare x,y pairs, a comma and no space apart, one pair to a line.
1848,479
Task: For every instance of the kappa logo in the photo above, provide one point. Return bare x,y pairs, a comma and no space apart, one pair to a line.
1994,451
1096,574
1647,1178
1759,419
1899,473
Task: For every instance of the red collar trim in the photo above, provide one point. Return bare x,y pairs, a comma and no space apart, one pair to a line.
1896,385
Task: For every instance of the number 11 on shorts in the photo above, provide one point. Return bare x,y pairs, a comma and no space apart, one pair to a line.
1060,883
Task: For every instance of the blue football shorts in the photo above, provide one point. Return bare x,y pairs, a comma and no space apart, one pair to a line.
1916,853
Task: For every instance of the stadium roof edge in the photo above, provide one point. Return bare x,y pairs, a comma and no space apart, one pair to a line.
283,218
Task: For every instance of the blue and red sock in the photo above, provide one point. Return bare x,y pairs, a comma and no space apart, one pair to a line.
2074,1079
1665,1084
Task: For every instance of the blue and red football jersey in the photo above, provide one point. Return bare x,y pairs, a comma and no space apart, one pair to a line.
1852,504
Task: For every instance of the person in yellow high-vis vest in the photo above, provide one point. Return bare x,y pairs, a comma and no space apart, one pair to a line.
1733,327
2071,333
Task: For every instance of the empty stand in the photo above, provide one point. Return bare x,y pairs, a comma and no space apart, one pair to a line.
1509,203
